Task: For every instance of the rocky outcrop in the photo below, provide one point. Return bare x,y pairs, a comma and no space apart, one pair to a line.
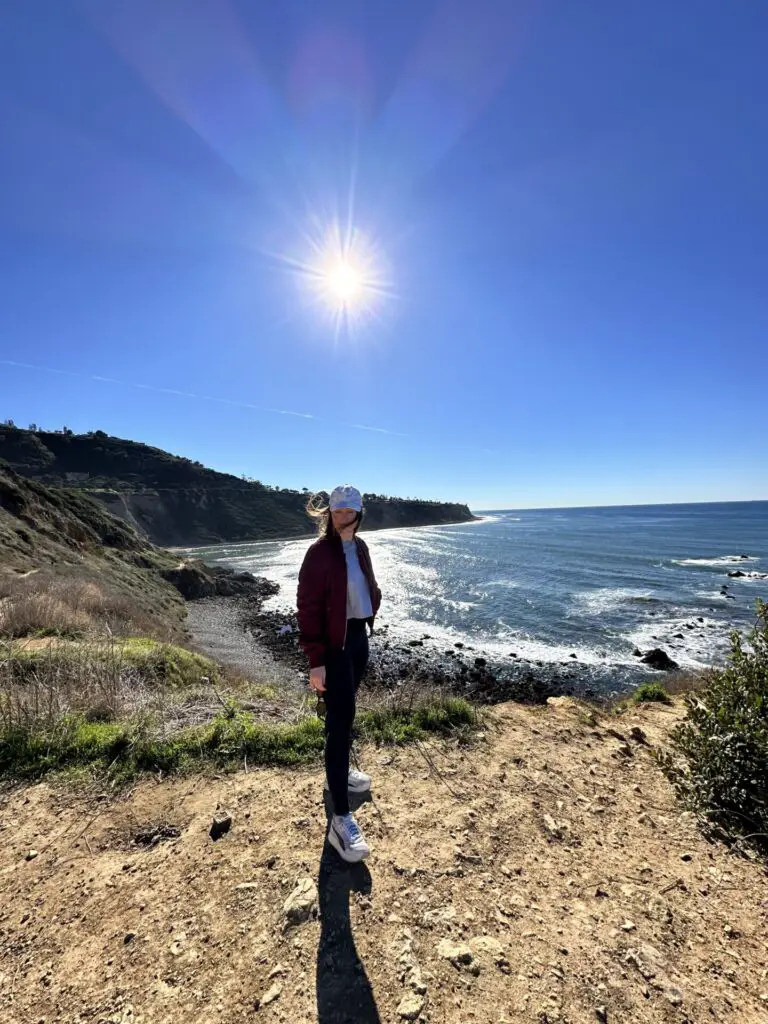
659,659
194,580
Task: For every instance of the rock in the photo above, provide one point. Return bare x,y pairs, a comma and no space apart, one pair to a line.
601,1013
625,750
646,819
410,1006
573,656
31,855
415,643
628,926
601,893
128,937
637,734
457,952
660,660
673,995
459,645
194,579
277,971
487,945
679,636
737,574
221,824
270,995
637,653
302,903
554,829
657,908
480,662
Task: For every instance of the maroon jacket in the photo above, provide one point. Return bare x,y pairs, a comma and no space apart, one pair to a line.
322,596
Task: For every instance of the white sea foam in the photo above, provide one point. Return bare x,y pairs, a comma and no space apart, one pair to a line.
699,647
716,562
604,599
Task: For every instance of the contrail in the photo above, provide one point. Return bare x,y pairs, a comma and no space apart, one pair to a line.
189,394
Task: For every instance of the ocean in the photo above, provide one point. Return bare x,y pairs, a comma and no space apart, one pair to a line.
550,583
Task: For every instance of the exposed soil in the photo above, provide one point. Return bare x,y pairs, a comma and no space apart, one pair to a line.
544,874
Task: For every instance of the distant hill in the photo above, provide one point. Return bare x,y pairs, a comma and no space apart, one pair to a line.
174,501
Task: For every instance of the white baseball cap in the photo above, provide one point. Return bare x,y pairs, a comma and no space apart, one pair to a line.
346,496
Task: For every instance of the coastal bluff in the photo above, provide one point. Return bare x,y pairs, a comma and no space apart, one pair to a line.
176,502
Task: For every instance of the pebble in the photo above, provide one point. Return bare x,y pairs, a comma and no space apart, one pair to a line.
410,1006
270,995
221,824
31,855
302,902
673,995
457,952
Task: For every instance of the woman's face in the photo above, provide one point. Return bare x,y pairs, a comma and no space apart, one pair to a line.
343,517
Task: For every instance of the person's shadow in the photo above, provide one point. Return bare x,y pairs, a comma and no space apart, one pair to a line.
344,993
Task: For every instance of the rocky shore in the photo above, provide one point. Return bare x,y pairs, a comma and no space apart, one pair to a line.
240,631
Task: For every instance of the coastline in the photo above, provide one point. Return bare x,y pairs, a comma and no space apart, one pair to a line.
264,644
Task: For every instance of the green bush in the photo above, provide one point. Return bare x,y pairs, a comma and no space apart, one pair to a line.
719,766
650,692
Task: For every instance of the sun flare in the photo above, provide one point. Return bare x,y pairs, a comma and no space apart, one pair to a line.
344,283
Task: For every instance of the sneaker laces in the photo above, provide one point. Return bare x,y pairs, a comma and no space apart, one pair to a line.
353,829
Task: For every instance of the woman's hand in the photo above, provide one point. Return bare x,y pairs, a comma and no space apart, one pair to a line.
317,679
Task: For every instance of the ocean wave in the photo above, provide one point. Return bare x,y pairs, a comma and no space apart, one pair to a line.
717,561
699,647
606,599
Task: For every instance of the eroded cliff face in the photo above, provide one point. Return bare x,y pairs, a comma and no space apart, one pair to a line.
197,517
176,502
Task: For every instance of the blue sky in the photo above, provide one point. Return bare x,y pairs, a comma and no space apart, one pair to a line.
556,211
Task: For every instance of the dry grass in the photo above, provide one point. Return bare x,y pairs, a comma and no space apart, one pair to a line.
52,605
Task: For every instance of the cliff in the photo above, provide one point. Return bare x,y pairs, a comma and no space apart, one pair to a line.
174,501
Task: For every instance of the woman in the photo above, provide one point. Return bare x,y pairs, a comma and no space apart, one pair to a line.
337,597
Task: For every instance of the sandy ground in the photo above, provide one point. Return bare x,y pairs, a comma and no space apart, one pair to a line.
544,874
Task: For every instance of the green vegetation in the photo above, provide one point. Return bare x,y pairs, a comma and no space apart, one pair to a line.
719,765
125,750
650,692
178,502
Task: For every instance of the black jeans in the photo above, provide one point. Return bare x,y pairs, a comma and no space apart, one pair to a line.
343,671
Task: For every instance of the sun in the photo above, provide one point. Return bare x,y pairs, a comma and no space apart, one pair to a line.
344,284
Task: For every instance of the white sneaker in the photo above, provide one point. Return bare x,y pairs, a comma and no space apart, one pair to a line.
357,782
345,837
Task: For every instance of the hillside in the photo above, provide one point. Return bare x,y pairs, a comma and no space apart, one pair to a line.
54,537
177,502
543,873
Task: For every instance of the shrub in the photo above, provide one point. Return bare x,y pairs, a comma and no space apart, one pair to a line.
719,765
650,692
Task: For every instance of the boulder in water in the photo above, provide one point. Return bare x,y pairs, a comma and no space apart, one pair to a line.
659,659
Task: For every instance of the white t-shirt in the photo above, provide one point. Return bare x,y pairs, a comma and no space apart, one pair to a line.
358,592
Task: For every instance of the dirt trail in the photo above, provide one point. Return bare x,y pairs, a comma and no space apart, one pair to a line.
545,874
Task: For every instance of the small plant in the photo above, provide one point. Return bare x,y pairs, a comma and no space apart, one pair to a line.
650,692
719,766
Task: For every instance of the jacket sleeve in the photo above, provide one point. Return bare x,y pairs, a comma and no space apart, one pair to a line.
310,602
